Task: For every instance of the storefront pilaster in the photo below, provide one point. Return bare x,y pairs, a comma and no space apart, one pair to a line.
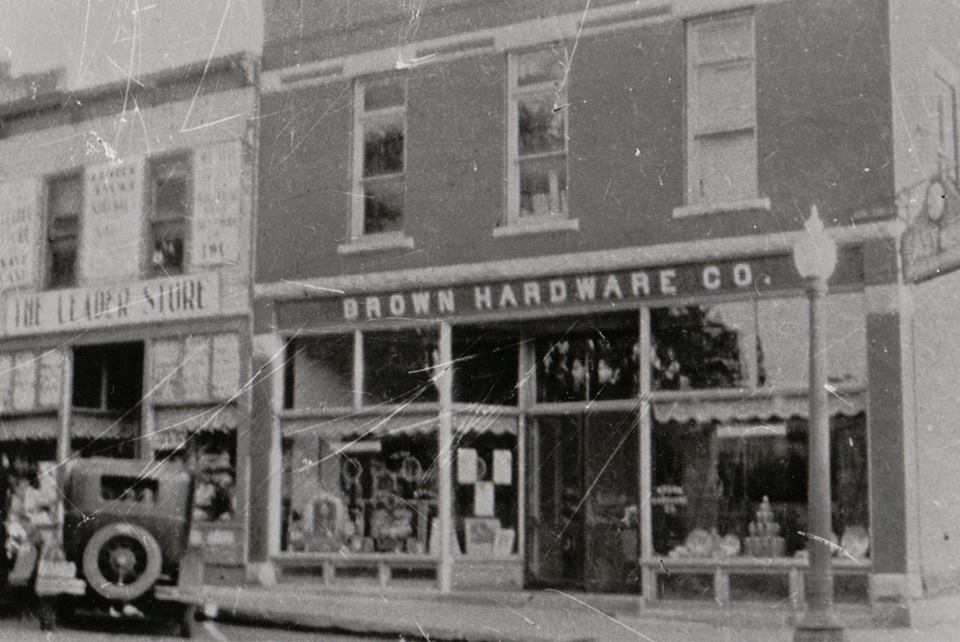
265,455
892,444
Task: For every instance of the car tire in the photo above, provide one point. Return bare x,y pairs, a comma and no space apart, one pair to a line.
122,561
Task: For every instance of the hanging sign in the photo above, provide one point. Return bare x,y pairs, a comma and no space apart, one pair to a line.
19,218
151,301
931,243
112,221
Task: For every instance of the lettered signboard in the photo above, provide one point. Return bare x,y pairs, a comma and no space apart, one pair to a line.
20,218
112,221
217,204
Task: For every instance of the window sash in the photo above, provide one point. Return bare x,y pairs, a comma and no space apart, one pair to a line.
545,89
388,115
169,170
721,107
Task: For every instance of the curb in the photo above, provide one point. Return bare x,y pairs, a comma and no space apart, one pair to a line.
358,625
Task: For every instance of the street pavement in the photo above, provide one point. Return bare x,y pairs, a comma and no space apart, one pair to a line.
292,612
491,619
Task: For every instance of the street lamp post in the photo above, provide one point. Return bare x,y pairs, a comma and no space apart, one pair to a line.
815,257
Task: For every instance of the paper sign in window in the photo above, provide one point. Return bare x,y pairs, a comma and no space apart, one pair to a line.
483,499
502,467
466,466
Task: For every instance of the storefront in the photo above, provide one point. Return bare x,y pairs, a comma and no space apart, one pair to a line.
161,383
631,431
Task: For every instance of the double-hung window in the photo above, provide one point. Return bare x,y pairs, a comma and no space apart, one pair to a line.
168,214
721,111
64,207
537,137
379,157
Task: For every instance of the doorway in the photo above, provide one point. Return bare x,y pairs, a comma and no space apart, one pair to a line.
582,502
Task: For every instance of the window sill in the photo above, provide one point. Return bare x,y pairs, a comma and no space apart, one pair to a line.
537,226
376,243
721,207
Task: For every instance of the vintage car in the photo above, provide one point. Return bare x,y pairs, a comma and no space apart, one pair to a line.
127,530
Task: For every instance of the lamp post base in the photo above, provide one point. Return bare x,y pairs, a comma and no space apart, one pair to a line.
818,627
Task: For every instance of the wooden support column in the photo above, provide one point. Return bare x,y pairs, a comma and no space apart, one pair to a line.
444,381
63,438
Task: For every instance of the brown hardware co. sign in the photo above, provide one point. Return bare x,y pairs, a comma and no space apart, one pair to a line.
748,276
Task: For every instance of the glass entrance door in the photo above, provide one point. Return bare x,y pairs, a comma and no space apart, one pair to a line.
583,491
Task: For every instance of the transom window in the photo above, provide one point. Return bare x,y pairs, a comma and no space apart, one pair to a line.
379,157
721,111
538,136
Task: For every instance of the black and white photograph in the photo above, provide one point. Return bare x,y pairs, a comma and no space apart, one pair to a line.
480,320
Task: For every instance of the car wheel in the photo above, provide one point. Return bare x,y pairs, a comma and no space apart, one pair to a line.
122,561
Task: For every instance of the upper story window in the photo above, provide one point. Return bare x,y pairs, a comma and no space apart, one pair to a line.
168,211
379,157
64,207
721,111
538,137
947,128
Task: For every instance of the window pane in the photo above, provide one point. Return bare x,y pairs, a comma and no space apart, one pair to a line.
541,127
64,228
383,205
65,197
63,264
700,347
379,497
543,186
167,240
784,335
320,372
485,367
723,490
383,148
398,366
727,167
383,95
725,98
541,66
725,39
588,364
213,457
171,187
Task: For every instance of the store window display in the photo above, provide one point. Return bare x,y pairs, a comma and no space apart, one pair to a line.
212,458
729,433
373,495
740,488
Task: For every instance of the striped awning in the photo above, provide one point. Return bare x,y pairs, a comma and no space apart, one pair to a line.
173,426
103,426
29,427
378,426
755,408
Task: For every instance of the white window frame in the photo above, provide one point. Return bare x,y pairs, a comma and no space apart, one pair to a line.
515,223
695,202
359,240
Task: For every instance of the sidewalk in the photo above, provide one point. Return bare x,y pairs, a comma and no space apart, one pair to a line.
520,618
